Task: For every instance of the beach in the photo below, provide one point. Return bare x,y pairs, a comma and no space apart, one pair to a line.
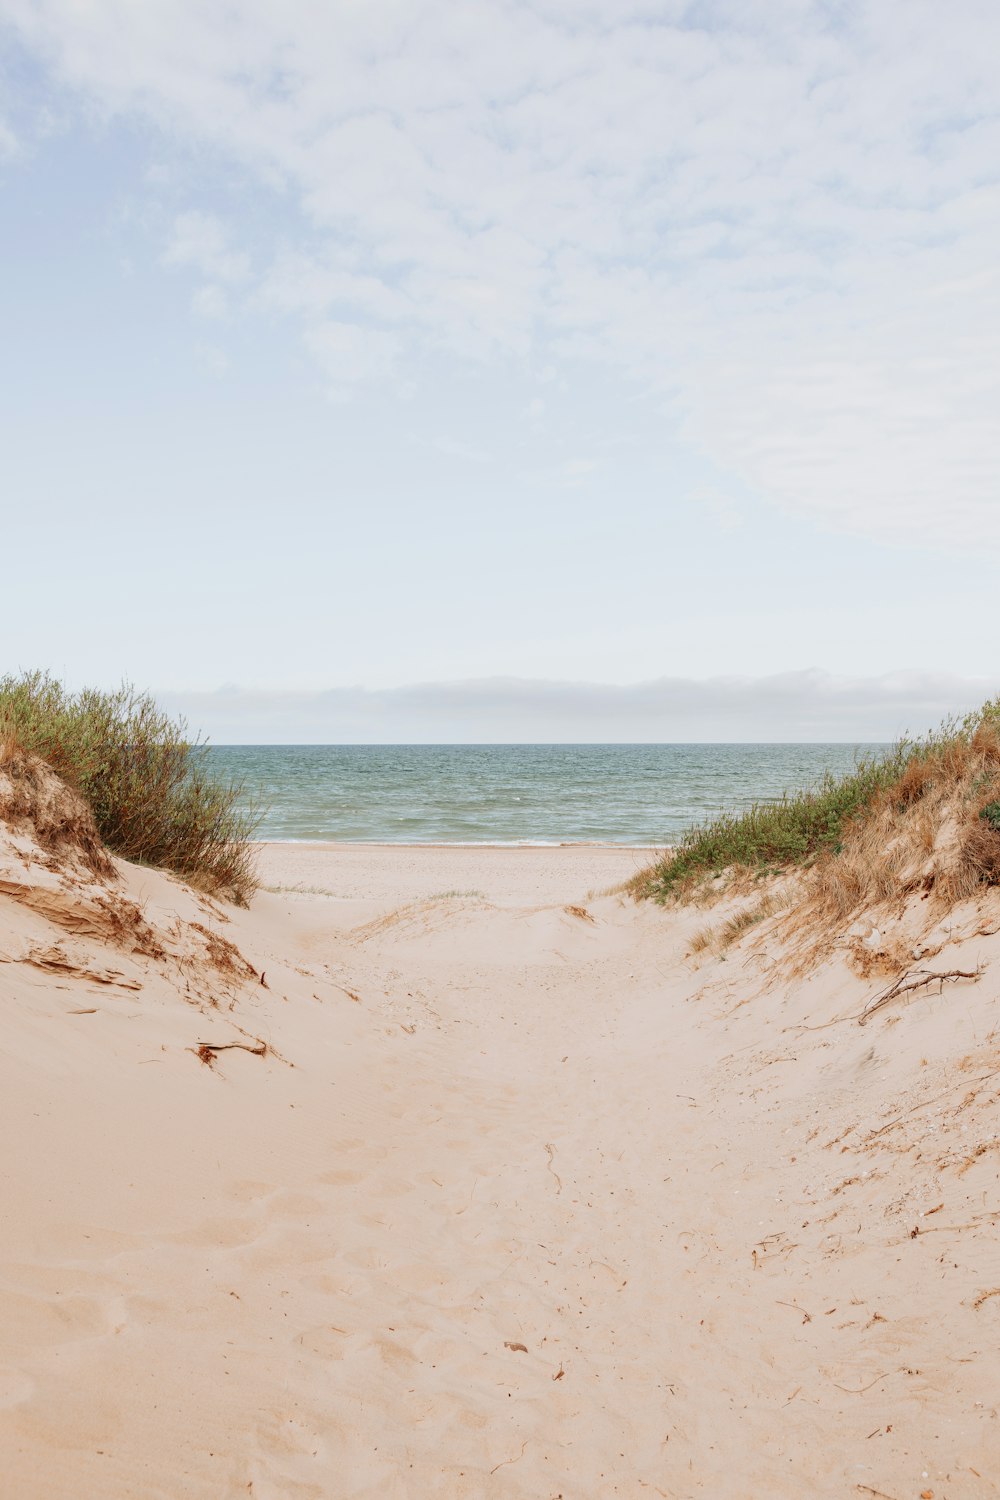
500,751
440,1172
395,873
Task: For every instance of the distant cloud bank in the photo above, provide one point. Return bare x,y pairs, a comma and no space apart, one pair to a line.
792,706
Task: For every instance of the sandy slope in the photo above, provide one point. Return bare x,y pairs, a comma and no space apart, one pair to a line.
524,1204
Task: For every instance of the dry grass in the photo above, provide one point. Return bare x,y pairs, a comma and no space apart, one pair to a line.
923,822
33,798
702,940
147,785
771,904
717,938
769,836
924,833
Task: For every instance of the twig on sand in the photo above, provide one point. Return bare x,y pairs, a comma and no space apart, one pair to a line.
207,1050
916,979
552,1151
866,1489
806,1317
920,1229
258,1051
862,1389
507,1461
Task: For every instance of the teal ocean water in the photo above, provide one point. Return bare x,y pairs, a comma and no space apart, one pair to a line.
514,794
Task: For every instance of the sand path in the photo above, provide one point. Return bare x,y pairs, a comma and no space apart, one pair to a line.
534,1214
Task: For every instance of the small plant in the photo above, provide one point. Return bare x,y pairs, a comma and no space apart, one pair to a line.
147,784
991,814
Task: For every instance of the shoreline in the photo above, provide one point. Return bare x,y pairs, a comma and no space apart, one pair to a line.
454,844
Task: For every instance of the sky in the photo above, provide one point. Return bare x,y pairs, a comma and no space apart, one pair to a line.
605,370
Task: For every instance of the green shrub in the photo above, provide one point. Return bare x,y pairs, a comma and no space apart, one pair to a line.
148,785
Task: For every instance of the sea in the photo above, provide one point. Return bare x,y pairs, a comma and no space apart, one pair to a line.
642,795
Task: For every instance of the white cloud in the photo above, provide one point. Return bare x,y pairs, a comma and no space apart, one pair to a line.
781,216
201,240
793,706
349,353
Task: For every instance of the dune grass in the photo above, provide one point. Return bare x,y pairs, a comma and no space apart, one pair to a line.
147,783
827,823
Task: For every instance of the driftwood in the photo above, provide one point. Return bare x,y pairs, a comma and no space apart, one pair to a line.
915,979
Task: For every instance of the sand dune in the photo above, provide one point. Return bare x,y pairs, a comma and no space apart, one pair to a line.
394,1193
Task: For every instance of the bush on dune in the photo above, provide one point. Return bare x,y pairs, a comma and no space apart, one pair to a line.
148,785
925,814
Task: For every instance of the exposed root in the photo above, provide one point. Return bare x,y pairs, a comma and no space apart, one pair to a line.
916,979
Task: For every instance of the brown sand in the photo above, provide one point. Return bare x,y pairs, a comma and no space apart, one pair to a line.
525,1201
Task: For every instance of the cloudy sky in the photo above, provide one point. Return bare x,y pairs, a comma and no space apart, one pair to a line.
473,370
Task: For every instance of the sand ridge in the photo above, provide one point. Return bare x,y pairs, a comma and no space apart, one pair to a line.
523,1200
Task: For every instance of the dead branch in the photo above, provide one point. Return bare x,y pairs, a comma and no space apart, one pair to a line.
258,1051
916,979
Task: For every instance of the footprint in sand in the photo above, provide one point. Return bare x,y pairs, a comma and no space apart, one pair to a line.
329,1343
394,1187
83,1242
418,1277
395,1355
295,1206
345,1178
290,1452
330,1285
246,1190
218,1234
31,1322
